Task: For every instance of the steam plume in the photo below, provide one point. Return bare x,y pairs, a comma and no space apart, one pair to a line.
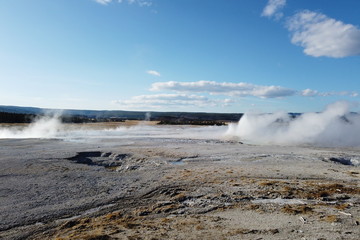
335,126
44,127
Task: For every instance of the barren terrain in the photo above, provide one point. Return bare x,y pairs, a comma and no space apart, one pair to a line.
140,187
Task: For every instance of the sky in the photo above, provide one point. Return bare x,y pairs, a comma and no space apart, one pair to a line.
180,55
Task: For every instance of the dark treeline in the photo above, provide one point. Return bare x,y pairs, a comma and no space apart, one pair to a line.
187,121
85,119
170,118
6,117
16,117
87,115
13,114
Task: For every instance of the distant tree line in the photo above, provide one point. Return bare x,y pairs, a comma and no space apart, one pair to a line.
6,117
187,121
75,116
85,119
71,115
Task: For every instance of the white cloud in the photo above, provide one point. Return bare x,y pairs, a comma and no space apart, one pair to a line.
308,93
183,99
320,35
341,93
144,3
314,93
225,88
242,89
141,3
170,100
273,8
104,2
154,73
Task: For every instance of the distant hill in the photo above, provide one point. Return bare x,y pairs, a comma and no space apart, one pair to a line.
102,115
23,110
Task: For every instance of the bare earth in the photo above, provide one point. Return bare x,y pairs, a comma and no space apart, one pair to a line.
176,188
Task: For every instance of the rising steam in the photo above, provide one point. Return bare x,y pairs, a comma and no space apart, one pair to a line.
335,126
44,127
52,127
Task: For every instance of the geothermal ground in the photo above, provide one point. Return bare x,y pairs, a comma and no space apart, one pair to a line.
153,186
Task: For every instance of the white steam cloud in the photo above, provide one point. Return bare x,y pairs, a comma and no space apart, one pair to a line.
335,126
45,127
50,127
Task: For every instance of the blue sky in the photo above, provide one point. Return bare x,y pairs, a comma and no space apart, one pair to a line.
180,55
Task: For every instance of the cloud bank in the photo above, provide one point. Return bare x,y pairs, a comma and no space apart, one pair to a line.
225,88
313,93
320,35
161,100
241,89
191,94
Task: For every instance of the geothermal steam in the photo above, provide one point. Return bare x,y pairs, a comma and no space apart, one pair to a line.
45,127
51,127
335,126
